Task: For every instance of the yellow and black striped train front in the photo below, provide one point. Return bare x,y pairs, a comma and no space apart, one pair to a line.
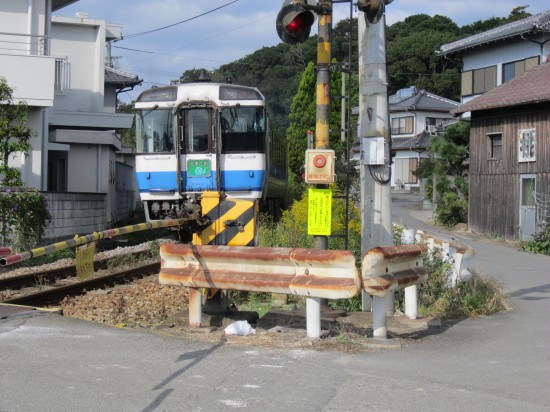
233,221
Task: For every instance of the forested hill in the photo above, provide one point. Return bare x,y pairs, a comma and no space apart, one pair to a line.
412,60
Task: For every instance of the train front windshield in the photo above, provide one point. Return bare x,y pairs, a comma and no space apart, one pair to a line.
154,131
243,129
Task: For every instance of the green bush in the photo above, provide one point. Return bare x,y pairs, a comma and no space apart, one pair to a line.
540,243
24,214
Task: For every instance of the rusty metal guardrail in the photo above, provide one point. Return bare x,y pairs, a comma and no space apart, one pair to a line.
386,269
312,273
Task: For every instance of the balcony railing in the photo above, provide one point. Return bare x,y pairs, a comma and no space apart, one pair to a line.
62,73
18,43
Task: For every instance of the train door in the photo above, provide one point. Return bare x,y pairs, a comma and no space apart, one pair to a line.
198,150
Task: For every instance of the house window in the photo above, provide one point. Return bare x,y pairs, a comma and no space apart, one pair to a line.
479,81
527,141
404,168
61,75
402,125
496,146
434,124
514,69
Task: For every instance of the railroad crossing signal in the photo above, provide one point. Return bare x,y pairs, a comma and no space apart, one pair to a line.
294,21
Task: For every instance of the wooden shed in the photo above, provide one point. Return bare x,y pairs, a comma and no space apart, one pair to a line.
510,157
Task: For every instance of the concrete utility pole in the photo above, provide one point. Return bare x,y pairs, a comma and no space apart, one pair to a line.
376,225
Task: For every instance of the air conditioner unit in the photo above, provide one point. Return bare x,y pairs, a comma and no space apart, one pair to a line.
432,130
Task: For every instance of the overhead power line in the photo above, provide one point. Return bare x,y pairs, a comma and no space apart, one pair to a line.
129,36
136,50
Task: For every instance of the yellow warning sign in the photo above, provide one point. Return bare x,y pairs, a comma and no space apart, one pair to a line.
85,260
319,212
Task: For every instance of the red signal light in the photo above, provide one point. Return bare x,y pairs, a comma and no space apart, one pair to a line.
296,25
294,21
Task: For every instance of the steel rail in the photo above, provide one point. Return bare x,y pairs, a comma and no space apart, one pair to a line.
32,279
58,294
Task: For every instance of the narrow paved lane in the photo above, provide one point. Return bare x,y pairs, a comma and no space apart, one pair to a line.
499,363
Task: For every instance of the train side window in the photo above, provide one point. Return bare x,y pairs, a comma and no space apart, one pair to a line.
243,129
154,131
197,126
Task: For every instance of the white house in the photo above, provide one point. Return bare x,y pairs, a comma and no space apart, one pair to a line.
491,58
57,65
416,116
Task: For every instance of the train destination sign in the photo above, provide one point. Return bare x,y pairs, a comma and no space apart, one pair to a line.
199,168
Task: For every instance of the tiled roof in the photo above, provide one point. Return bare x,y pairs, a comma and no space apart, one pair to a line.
420,100
419,142
121,79
533,86
537,23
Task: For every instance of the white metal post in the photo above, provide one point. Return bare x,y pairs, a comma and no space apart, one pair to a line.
379,318
411,293
313,317
195,307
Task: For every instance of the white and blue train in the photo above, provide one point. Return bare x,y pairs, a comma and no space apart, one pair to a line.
198,137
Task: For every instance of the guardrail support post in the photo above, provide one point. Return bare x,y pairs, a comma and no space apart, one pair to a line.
379,318
195,307
313,317
411,304
411,292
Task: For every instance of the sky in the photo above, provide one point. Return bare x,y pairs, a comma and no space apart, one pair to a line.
232,29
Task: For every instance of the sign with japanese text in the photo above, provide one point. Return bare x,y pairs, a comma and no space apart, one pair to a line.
85,260
199,168
319,212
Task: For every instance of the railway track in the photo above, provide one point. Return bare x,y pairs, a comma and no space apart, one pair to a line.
56,293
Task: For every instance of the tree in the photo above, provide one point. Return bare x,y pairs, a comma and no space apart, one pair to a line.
449,167
127,136
23,211
302,118
15,136
412,58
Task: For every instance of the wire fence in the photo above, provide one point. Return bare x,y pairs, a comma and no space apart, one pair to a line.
542,203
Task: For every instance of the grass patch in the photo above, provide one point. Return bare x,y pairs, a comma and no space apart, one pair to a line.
479,296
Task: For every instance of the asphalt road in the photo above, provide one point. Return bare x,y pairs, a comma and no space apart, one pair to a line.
500,363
